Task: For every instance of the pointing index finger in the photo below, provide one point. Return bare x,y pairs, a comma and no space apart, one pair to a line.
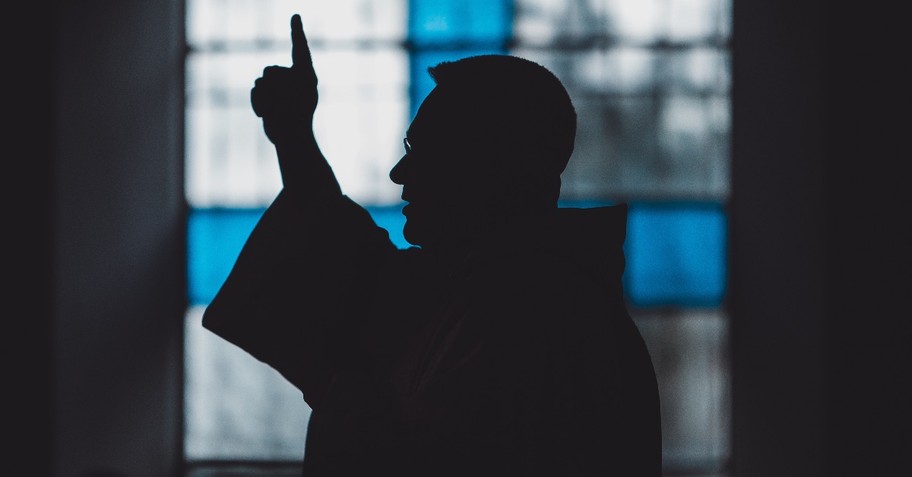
300,52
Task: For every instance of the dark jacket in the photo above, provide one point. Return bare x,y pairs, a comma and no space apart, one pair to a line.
520,360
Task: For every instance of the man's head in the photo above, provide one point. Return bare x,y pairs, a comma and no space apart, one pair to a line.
488,143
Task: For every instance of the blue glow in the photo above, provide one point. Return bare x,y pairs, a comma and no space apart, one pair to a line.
584,204
675,251
446,30
675,254
442,22
216,237
390,218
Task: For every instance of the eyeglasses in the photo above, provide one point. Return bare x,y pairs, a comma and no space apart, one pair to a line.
407,145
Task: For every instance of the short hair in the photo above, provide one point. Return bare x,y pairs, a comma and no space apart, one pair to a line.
521,101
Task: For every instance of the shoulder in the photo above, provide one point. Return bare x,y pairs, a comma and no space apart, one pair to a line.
544,298
541,280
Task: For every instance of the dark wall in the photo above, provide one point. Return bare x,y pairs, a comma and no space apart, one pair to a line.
819,242
103,95
28,239
777,255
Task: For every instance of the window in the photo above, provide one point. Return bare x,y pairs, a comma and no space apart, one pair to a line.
650,81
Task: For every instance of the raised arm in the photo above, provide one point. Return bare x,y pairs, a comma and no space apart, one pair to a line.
286,98
313,250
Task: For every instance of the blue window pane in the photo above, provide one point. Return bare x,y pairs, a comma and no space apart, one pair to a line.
446,30
216,237
436,22
584,204
675,254
390,218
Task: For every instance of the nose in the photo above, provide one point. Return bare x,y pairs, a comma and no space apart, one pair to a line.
398,173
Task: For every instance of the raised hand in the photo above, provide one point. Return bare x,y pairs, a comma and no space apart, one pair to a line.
286,97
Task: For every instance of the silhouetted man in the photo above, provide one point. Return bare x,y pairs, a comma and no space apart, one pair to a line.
500,344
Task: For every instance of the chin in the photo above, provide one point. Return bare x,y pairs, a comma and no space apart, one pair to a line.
410,233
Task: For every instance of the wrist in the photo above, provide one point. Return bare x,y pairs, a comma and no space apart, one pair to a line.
303,166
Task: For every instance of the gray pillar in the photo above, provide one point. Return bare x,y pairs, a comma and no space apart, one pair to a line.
778,248
118,292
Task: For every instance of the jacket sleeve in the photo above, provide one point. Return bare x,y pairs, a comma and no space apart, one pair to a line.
283,299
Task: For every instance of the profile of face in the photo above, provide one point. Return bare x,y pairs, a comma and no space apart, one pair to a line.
443,174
